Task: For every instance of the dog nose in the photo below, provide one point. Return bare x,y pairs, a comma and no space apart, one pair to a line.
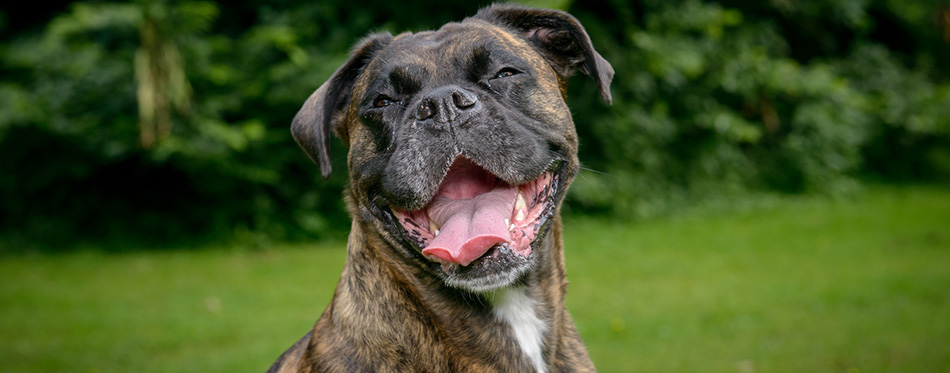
445,104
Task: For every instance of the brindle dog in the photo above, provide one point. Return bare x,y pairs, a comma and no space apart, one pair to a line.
461,148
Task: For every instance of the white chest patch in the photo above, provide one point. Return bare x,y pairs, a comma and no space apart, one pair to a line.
514,307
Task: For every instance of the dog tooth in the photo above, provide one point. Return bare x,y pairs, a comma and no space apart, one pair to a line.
520,203
520,216
446,267
507,224
433,227
437,259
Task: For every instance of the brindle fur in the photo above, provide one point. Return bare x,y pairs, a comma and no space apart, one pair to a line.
391,311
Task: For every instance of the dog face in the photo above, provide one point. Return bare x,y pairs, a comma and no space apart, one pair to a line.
460,143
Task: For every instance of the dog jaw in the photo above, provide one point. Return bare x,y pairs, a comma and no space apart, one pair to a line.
477,222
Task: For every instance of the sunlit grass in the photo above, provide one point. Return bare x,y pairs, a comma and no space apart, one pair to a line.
202,311
794,285
805,285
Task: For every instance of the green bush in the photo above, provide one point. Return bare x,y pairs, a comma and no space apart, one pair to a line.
710,99
710,102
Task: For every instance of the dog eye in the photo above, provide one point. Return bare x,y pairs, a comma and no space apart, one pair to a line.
383,101
506,72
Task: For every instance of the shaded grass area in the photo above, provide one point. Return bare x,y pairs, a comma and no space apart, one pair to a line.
792,285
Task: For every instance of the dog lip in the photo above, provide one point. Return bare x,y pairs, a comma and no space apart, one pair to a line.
526,220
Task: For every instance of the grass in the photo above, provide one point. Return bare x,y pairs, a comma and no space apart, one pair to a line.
795,285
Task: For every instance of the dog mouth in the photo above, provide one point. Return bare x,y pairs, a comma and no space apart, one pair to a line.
475,217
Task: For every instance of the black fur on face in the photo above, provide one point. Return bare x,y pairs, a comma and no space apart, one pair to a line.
488,90
511,130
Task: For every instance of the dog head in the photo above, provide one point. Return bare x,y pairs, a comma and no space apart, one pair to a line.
460,143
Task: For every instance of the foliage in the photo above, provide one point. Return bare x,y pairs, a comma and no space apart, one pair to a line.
107,134
711,101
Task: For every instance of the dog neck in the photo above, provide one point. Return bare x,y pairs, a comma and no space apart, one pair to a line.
383,306
517,309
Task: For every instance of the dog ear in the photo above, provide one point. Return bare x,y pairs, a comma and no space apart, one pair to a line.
326,107
559,37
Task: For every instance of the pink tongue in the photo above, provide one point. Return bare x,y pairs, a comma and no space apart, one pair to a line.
471,208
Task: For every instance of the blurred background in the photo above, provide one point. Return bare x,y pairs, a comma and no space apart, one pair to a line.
157,121
138,132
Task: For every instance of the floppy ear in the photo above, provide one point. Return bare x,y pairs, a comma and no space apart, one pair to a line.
326,107
559,37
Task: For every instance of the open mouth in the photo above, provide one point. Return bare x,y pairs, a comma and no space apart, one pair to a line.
475,217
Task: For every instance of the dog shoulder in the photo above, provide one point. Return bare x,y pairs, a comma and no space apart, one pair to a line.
289,361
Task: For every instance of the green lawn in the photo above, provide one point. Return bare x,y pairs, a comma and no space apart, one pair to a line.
794,285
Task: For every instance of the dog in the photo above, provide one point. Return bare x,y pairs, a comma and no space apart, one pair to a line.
461,148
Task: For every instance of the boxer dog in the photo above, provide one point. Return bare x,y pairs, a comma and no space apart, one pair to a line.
461,148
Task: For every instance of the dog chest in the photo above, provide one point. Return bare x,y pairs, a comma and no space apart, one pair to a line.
514,307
